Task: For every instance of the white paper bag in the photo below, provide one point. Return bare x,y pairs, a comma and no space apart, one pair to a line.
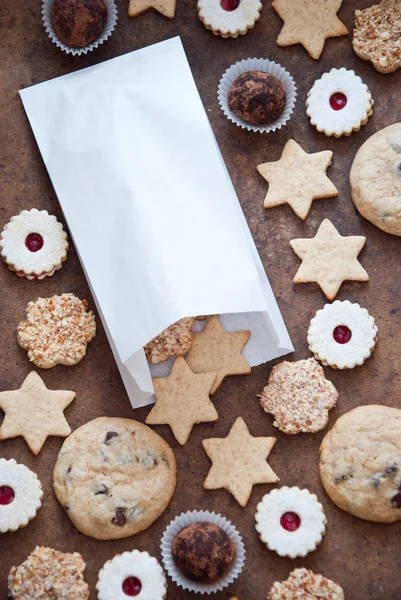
150,206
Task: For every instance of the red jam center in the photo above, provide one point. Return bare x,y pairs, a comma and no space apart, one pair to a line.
132,586
338,101
342,334
6,495
290,521
34,242
230,5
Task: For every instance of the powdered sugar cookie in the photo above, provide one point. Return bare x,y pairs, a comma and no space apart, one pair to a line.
31,580
132,574
342,335
173,341
377,35
299,396
57,331
34,244
339,103
290,521
304,584
20,495
229,18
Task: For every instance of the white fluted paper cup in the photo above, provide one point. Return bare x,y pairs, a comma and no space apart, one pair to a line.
267,66
196,516
106,33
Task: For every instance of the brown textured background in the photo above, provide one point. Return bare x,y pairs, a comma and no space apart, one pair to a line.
363,557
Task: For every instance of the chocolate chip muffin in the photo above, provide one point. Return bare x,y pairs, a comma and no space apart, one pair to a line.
78,23
203,552
257,97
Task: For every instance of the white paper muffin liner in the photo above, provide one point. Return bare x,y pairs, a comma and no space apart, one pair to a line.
267,66
175,527
106,33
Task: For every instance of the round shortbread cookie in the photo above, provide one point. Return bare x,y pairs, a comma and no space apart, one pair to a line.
342,335
20,495
376,179
339,103
114,477
34,244
229,18
132,574
290,521
360,463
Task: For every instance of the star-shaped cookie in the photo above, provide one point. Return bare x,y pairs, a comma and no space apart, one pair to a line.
182,400
34,412
329,259
309,22
239,462
298,178
165,7
216,350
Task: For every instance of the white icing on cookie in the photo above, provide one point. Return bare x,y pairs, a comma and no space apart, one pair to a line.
362,331
345,120
229,23
285,533
34,244
20,495
135,570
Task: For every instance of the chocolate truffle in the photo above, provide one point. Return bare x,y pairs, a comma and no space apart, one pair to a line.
203,552
78,23
257,97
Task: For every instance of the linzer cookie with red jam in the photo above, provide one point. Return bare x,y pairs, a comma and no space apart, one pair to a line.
229,18
342,335
20,495
57,331
34,244
307,585
339,103
114,477
47,573
173,341
299,396
360,463
132,574
290,521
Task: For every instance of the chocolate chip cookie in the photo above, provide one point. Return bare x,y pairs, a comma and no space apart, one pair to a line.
376,179
360,463
114,477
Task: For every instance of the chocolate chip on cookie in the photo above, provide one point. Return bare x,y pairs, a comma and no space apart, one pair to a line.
358,463
114,483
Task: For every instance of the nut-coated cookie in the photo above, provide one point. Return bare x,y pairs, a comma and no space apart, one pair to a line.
114,477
